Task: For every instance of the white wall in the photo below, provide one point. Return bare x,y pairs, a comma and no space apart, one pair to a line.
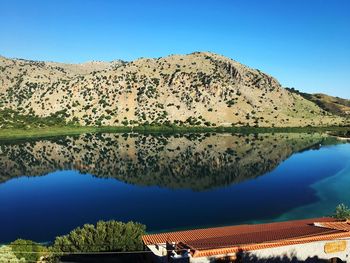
303,251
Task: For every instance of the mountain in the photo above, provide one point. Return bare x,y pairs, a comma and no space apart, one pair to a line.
334,105
201,88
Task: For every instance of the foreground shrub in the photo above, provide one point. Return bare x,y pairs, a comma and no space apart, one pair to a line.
342,212
7,255
104,236
28,250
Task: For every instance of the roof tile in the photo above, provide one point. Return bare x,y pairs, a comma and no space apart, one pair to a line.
230,239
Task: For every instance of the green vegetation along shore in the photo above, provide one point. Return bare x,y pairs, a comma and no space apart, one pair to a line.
104,236
15,133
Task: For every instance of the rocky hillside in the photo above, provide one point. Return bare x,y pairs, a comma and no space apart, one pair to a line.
201,88
334,105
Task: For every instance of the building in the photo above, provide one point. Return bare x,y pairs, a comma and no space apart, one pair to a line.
309,240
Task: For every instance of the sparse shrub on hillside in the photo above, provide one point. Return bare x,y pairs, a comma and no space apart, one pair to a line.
230,103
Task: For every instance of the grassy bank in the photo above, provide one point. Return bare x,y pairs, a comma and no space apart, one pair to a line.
55,131
6,134
245,129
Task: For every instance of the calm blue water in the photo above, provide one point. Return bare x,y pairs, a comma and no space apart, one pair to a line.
280,182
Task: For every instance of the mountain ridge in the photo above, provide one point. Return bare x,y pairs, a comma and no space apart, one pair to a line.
198,89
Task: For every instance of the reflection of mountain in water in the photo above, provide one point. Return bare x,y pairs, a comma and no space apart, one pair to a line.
196,161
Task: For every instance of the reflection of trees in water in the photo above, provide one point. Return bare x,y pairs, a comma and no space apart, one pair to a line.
196,161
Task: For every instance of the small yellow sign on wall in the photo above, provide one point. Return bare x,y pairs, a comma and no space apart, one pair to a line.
333,247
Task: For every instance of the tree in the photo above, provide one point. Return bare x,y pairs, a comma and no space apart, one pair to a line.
7,255
28,250
104,236
342,212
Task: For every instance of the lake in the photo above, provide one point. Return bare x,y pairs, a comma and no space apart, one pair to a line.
168,182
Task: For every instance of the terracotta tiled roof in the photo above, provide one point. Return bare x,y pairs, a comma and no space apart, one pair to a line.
342,226
249,247
230,239
198,234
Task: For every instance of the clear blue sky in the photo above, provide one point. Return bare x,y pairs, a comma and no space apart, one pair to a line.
303,43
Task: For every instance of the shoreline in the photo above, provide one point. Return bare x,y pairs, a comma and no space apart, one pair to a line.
9,134
342,138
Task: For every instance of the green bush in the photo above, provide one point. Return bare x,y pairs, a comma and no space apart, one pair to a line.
12,119
7,255
27,249
104,236
342,212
